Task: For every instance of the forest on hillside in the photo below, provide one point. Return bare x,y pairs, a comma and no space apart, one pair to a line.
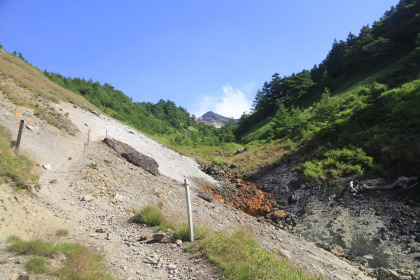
363,99
163,119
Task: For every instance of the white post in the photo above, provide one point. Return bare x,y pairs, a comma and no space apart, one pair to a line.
190,221
84,157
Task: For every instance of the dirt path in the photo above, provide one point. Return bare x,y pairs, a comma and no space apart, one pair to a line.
117,188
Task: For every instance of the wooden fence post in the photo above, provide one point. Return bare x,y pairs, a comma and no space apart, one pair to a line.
84,157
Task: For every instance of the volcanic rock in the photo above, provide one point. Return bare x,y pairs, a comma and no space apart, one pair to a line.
133,156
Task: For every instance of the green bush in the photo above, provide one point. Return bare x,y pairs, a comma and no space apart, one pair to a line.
149,215
217,160
312,170
339,163
36,265
13,169
182,231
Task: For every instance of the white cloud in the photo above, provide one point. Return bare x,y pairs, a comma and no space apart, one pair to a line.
232,102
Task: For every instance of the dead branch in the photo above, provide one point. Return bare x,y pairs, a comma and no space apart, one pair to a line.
356,186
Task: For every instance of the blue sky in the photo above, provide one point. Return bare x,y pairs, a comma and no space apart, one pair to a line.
203,55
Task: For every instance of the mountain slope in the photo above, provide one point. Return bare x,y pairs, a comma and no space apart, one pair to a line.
212,119
116,188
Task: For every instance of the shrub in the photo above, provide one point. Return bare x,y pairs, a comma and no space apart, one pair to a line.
36,265
312,170
182,231
149,215
338,163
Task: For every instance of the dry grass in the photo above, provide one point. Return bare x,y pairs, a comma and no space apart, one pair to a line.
256,156
33,79
25,85
80,262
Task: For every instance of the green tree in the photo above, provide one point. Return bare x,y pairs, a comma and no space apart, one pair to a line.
288,123
326,109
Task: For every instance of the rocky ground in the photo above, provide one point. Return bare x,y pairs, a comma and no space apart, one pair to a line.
378,228
95,205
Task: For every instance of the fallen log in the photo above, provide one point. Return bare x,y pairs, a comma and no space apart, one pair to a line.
356,186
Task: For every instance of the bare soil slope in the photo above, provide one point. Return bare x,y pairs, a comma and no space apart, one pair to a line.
96,204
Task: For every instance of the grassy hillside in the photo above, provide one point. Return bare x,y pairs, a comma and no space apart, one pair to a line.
356,112
384,122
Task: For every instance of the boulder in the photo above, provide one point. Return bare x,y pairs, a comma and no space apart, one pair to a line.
278,214
87,198
205,196
133,156
240,150
158,236
337,250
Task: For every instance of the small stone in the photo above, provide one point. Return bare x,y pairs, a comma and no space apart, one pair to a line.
171,266
47,166
178,242
54,181
101,230
30,127
337,250
108,236
158,236
118,197
26,277
144,237
240,150
279,214
163,196
19,260
87,198
416,257
3,261
394,275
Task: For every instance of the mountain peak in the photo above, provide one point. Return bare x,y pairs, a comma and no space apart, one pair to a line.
213,119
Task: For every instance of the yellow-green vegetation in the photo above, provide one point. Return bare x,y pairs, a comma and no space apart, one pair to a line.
80,262
36,265
62,232
149,215
14,169
25,85
153,217
181,231
237,254
240,257
339,163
